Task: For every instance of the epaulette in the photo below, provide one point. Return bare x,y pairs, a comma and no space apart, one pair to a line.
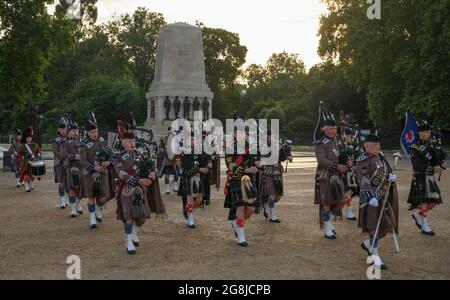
362,157
325,140
101,139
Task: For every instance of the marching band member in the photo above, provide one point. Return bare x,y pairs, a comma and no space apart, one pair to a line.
351,150
373,174
70,153
240,190
14,151
194,182
168,166
138,192
58,162
424,194
28,151
329,187
98,182
272,180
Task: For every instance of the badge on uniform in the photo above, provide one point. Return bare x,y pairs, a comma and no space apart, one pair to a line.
336,152
125,156
90,144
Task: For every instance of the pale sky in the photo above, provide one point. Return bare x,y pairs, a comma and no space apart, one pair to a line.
264,26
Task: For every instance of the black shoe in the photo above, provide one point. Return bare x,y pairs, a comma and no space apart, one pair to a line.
62,207
136,244
99,219
430,233
73,216
132,252
191,226
243,244
365,248
332,237
28,191
18,185
80,212
93,226
167,193
352,219
417,223
275,221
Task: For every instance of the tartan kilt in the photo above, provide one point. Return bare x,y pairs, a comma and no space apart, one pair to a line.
424,189
59,172
234,197
188,187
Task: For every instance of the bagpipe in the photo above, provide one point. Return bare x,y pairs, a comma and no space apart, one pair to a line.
349,145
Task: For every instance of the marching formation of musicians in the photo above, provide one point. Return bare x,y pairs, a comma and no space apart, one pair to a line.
129,172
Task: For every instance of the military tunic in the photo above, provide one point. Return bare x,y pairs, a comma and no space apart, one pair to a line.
371,173
58,168
237,192
329,187
25,157
14,151
107,179
72,167
424,188
135,201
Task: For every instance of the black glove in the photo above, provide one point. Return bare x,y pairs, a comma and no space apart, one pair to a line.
430,170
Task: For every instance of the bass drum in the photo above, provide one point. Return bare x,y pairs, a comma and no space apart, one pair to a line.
173,147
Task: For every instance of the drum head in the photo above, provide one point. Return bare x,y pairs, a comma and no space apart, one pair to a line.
173,147
37,163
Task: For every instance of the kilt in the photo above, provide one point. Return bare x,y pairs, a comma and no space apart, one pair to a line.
234,197
139,203
107,185
58,170
272,185
190,186
368,215
15,166
424,189
329,190
133,203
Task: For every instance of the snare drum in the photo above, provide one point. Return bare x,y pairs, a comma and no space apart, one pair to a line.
37,168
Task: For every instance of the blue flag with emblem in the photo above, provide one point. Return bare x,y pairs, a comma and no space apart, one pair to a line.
409,134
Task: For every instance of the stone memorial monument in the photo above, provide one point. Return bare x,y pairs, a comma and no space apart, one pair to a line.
179,81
